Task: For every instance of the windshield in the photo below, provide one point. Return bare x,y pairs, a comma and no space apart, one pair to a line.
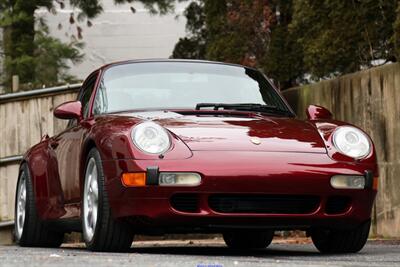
181,85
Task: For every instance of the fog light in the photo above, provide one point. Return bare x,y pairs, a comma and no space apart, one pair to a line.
179,179
348,182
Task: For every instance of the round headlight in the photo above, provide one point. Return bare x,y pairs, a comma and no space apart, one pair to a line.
351,142
151,138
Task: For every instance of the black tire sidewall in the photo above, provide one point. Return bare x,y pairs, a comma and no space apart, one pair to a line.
93,153
30,206
20,240
111,235
341,241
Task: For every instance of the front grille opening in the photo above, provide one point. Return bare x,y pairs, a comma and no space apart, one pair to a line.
185,202
337,204
268,204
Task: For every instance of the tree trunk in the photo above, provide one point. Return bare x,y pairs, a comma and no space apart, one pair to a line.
18,42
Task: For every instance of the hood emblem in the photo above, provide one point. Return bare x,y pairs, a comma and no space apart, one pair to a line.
255,140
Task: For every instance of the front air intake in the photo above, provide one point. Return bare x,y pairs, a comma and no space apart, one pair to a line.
337,204
268,204
185,202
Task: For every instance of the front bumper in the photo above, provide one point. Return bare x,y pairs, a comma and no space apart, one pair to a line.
240,173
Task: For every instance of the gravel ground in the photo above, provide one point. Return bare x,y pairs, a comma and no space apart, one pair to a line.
201,253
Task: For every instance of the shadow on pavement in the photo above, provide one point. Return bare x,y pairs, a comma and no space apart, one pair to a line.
221,251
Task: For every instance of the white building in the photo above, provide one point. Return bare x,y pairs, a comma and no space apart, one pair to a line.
119,34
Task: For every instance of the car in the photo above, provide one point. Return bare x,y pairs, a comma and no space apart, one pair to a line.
185,146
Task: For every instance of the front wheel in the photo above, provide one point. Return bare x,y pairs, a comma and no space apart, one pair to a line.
248,239
101,232
341,241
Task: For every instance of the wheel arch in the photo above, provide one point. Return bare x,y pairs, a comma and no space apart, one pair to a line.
87,146
42,166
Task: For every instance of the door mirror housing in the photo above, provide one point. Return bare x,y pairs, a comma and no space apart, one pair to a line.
318,113
69,110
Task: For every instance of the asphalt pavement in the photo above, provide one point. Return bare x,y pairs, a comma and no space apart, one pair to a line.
200,253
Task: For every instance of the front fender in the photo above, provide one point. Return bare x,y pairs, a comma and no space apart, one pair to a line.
112,136
326,129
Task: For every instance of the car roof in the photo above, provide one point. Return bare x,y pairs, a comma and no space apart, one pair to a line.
156,60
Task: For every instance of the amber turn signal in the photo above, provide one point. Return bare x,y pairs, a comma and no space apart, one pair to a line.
375,183
136,179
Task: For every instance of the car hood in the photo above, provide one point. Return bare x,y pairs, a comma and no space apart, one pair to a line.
239,133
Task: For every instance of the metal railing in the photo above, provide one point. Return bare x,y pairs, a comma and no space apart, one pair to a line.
10,159
6,224
39,92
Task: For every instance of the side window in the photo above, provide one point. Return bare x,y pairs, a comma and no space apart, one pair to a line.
84,97
100,101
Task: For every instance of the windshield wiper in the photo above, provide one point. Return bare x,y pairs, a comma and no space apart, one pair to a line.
245,107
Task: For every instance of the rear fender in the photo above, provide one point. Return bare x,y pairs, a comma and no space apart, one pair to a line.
43,168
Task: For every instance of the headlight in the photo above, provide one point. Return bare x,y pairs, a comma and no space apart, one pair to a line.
151,138
351,142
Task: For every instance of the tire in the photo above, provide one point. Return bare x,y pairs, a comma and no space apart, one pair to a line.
103,233
341,241
248,239
29,229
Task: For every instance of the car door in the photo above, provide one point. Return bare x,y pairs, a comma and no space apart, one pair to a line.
67,145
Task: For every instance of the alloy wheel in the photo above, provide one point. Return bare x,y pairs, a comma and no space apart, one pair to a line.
21,206
90,200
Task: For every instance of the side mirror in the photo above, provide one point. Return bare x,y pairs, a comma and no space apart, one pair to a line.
69,110
318,113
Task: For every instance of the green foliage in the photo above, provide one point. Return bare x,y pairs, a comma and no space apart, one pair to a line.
92,8
293,40
193,46
19,33
396,35
245,32
343,36
283,61
52,57
37,58
241,32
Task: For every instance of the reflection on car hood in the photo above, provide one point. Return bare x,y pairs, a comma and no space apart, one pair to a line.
239,133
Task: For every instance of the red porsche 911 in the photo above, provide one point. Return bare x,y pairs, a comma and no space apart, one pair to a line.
182,146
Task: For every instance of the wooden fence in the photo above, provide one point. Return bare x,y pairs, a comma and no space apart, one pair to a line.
371,100
24,118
